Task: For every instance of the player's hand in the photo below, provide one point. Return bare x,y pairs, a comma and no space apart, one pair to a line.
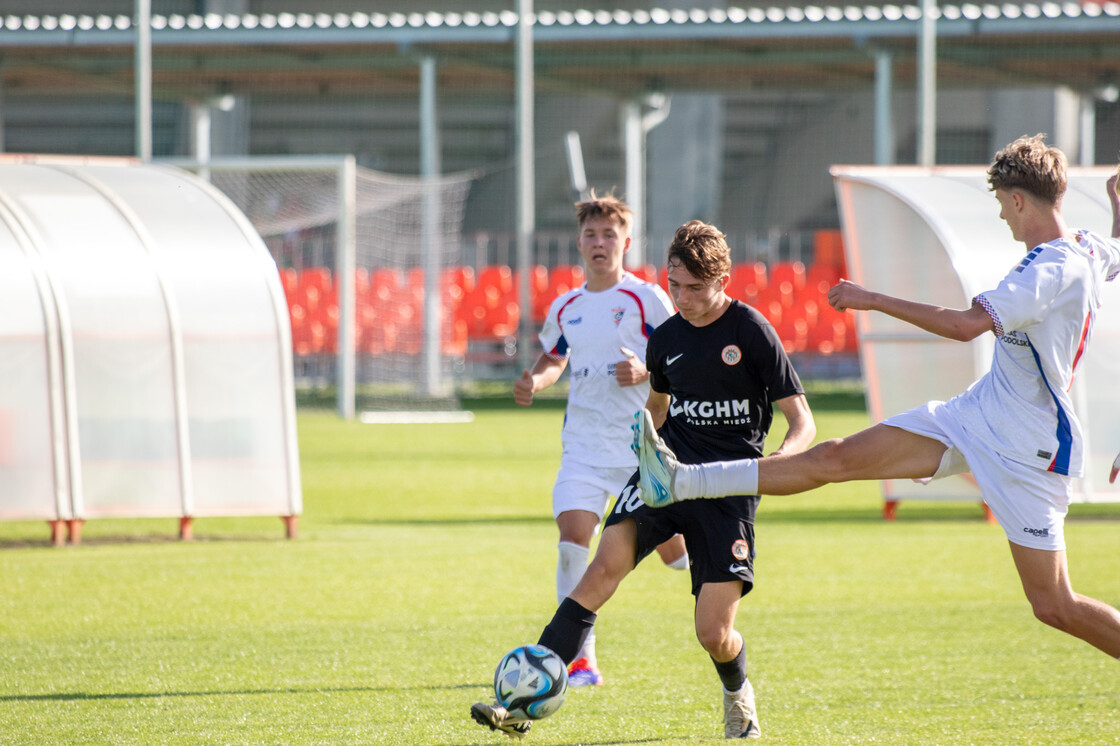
630,371
523,389
1115,470
845,296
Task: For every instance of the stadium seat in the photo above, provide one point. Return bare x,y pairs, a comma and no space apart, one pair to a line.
459,277
497,276
791,272
828,248
361,284
289,280
772,310
780,292
538,290
833,332
454,337
820,278
564,277
315,286
795,325
748,281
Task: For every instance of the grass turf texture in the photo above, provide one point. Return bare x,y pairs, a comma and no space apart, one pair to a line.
427,551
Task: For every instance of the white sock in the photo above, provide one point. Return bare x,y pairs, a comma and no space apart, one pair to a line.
716,479
570,565
680,563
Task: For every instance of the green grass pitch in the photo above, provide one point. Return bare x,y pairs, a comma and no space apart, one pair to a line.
428,551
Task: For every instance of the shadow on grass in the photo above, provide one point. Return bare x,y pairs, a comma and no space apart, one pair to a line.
86,696
151,538
441,521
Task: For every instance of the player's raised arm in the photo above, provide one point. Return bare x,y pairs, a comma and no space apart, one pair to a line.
944,322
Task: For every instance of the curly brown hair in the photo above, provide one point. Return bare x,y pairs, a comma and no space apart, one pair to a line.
1031,165
701,249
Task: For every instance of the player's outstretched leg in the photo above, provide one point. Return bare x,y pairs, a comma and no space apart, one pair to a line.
740,718
657,465
496,717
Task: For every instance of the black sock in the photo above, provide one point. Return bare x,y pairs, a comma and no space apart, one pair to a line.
733,672
568,630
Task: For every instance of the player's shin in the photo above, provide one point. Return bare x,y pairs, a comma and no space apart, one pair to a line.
716,479
568,630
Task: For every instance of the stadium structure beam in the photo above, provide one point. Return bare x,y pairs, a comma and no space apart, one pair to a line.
142,49
429,241
927,85
526,176
884,125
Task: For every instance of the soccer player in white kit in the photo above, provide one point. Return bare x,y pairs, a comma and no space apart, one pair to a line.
1014,428
599,330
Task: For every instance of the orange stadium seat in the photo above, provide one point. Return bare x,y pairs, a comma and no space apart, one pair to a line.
792,272
289,280
748,281
820,278
828,248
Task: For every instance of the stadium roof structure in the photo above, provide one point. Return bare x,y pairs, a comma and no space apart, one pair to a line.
619,52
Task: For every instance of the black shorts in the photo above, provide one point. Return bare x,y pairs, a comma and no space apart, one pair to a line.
719,533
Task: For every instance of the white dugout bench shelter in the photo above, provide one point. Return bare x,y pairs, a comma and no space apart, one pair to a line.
145,350
934,235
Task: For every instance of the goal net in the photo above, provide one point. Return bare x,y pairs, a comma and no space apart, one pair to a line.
371,265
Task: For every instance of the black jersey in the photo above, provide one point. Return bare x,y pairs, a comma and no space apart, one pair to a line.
722,380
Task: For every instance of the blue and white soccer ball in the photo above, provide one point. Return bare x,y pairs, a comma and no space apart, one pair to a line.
531,682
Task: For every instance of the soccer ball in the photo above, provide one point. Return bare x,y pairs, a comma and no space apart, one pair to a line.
531,682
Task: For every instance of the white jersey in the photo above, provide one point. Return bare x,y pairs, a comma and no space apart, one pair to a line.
1043,313
588,328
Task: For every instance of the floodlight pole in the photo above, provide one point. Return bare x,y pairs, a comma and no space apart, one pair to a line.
636,125
526,194
345,260
927,85
1087,120
143,73
429,232
884,127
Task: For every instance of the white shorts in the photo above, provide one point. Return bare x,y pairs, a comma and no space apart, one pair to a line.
590,488
1030,504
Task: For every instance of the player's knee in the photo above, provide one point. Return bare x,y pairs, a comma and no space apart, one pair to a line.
1052,612
602,575
714,638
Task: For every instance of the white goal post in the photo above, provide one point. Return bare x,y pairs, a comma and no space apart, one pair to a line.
316,211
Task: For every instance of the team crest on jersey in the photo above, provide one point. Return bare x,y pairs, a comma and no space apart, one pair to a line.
618,314
740,550
731,354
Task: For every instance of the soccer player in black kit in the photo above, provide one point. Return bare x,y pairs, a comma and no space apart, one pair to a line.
716,370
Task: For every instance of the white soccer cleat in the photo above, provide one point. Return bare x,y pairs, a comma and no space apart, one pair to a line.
740,718
496,717
657,464
1115,467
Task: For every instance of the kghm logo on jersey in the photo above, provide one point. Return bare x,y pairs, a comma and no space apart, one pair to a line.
731,355
729,412
618,313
